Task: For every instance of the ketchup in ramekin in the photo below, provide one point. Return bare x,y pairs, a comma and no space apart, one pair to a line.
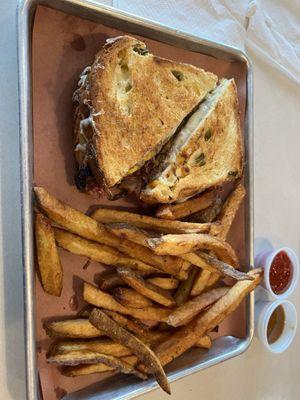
281,271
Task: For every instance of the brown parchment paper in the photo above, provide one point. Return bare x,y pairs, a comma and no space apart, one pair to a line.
62,45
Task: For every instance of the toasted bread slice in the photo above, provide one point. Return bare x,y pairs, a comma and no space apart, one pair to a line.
136,101
206,152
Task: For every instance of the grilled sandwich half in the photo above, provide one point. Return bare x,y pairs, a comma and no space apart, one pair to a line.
128,104
207,150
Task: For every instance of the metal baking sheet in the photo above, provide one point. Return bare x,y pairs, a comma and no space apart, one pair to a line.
225,347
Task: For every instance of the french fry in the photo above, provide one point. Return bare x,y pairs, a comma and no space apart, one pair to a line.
107,216
200,282
102,322
87,369
98,252
148,290
204,342
188,335
184,290
110,281
167,264
71,219
111,256
209,214
185,313
72,328
187,243
88,228
224,269
163,326
90,357
131,298
96,297
216,267
228,212
164,283
49,264
85,311
133,234
155,337
147,336
182,210
104,346
129,324
198,261
213,279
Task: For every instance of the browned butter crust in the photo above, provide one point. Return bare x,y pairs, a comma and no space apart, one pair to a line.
129,103
206,152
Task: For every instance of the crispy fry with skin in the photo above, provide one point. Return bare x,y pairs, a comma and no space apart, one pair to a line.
185,313
228,212
130,232
213,279
111,256
184,290
49,264
102,322
72,328
164,283
104,346
224,269
215,266
90,357
187,336
88,228
131,298
188,207
148,290
204,342
198,261
85,311
96,297
186,268
98,252
71,219
187,243
209,214
200,282
110,281
87,369
167,264
150,337
140,237
128,324
136,235
108,216
155,337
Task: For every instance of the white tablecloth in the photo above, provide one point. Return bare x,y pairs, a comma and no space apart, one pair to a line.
254,375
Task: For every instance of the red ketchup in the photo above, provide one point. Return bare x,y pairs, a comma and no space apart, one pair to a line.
280,272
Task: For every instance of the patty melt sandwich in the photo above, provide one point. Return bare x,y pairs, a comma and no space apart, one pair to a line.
128,104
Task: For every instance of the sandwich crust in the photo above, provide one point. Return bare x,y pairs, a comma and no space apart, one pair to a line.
133,102
205,153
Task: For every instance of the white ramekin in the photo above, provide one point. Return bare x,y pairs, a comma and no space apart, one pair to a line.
265,260
263,312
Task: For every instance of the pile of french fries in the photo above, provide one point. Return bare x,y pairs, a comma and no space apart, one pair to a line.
164,294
